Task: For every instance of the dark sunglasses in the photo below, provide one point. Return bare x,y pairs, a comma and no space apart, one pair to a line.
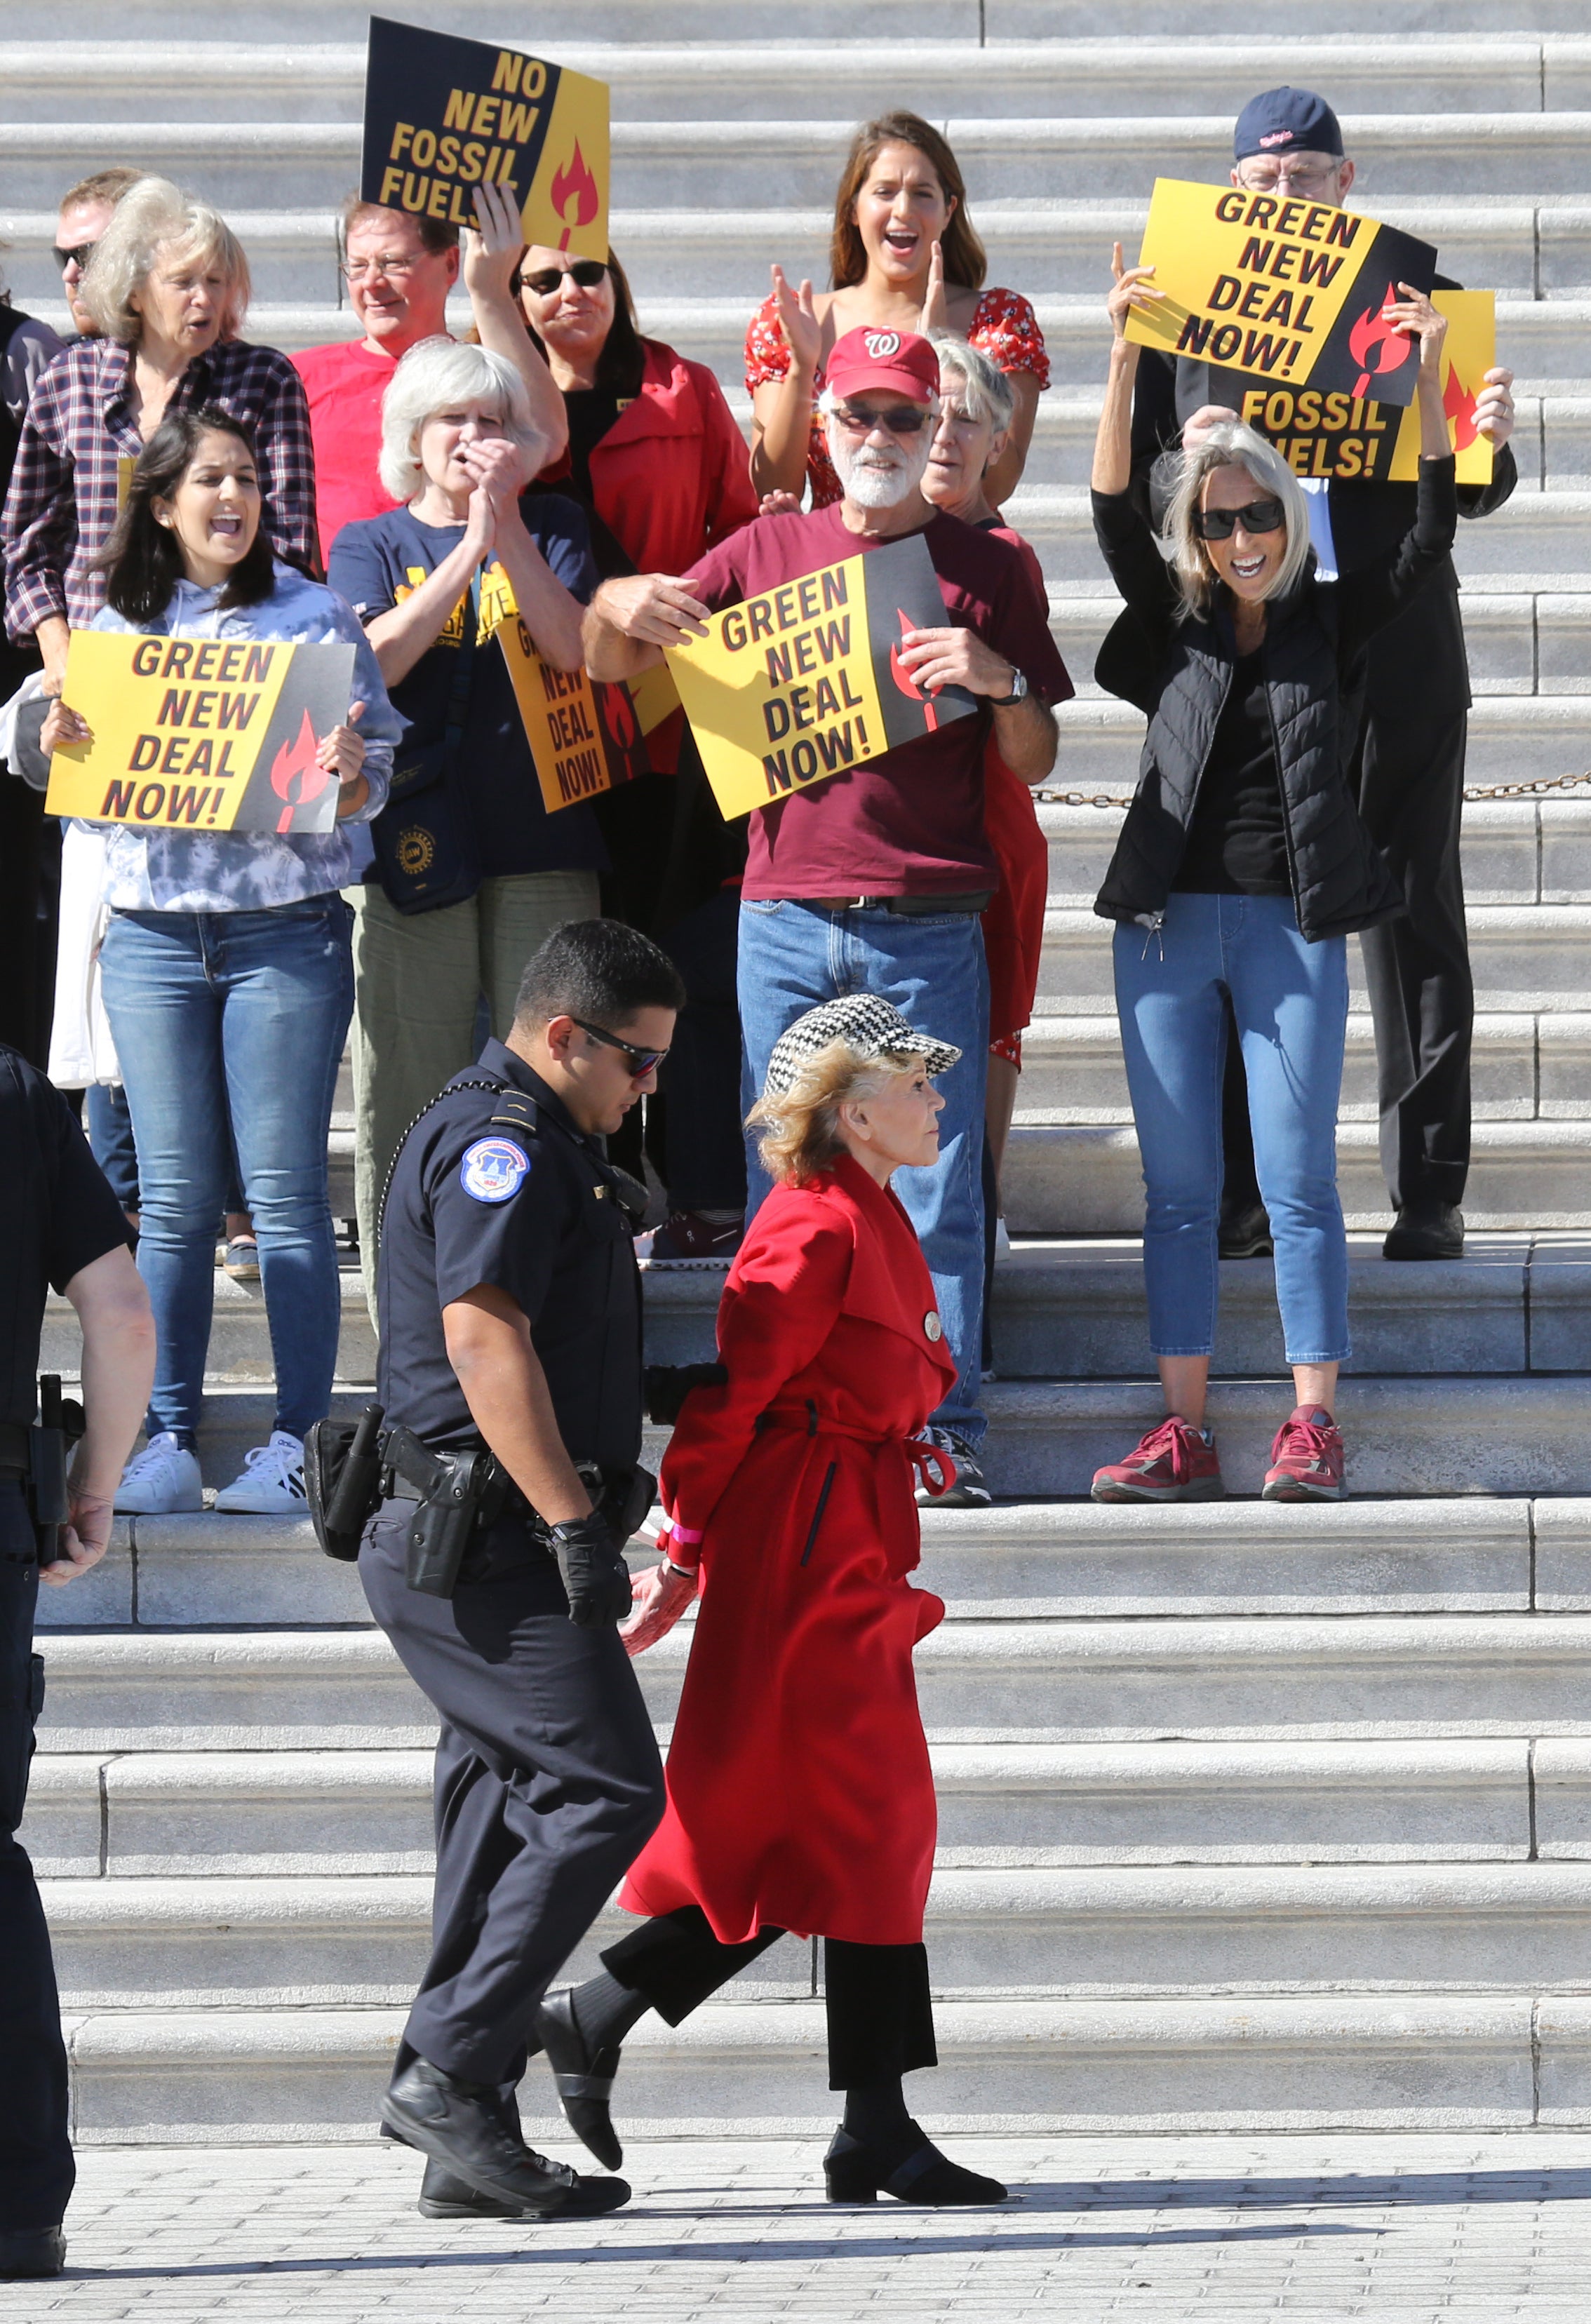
587,271
81,251
903,422
1219,524
642,1061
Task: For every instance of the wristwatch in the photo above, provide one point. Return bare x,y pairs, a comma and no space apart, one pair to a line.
1019,693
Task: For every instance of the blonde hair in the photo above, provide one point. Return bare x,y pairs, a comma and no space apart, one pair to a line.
434,375
1233,444
152,216
799,1127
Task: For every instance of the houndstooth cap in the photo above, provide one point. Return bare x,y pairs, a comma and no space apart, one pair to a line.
867,1025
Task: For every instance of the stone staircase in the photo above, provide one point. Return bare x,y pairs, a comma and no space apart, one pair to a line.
1251,1816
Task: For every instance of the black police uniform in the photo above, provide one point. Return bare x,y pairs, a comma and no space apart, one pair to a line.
547,1778
60,1215
1410,780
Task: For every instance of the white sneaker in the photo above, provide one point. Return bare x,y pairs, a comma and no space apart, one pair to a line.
161,1481
271,1483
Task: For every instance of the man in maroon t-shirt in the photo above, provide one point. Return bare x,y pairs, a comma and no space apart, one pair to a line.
875,879
399,270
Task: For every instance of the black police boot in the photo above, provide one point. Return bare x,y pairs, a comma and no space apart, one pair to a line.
583,2076
444,2196
460,2126
28,2253
1427,1229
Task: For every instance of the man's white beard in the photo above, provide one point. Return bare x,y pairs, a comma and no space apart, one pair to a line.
868,483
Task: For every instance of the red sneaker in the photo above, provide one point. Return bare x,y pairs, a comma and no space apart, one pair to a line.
1173,1463
1307,1459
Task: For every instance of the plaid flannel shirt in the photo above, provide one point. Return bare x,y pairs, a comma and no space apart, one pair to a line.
63,503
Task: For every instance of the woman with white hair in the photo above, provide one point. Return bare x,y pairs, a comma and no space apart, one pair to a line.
800,1796
471,874
1242,868
168,287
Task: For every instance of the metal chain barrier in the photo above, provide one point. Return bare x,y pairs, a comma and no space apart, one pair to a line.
1537,789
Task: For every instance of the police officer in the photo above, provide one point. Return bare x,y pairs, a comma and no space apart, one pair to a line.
63,1227
511,1313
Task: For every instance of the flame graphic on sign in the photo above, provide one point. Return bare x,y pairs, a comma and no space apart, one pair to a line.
296,775
617,714
1374,334
572,181
906,682
1460,408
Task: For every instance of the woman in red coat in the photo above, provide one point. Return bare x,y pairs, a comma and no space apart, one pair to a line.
799,1793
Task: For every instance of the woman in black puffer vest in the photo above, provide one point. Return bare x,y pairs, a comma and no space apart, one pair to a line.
1241,868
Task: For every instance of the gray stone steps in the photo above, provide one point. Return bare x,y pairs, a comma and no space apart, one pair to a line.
1111,1930
1524,1067
1048,1679
1422,2060
1066,77
1054,1559
175,1816
1512,738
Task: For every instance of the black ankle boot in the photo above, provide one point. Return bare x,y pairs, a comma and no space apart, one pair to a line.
909,2167
444,2196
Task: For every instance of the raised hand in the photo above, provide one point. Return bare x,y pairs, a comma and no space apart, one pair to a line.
936,312
798,321
493,245
1131,288
1414,313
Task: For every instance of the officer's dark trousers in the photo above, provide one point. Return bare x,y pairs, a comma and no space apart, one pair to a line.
548,1784
880,2021
36,2170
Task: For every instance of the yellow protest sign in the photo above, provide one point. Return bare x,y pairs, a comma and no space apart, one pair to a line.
200,733
791,688
444,114
585,737
1291,290
1350,439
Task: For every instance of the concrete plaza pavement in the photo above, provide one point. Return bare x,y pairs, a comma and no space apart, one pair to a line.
1159,2230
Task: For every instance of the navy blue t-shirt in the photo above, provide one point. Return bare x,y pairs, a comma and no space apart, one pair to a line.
383,559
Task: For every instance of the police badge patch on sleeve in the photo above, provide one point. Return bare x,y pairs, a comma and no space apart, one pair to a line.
492,1170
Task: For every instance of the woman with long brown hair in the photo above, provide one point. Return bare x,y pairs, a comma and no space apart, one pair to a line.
903,255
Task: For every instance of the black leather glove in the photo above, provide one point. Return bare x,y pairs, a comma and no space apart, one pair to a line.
596,1579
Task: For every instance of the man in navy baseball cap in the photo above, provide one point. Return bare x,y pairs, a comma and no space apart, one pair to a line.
1286,120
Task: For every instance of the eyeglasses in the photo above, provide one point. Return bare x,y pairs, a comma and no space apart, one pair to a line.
642,1061
1309,170
587,271
78,255
1219,524
354,269
903,422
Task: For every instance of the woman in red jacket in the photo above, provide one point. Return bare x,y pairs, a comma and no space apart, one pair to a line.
656,460
799,1793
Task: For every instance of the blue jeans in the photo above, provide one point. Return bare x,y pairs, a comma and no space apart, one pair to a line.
1291,1002
239,1014
110,1139
793,955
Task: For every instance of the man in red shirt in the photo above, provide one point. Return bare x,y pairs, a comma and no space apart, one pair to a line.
399,270
873,880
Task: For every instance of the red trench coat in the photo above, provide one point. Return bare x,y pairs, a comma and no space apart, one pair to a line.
799,1790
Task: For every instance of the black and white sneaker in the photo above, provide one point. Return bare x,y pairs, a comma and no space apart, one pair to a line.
970,1491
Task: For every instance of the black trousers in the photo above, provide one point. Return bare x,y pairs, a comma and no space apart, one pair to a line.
548,1784
880,2021
36,2168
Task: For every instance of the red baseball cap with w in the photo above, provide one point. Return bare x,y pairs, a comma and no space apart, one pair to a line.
899,363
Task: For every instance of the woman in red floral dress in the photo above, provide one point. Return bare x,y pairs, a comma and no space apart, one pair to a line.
903,256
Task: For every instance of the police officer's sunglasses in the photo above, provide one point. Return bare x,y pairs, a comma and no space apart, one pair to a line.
1260,516
642,1061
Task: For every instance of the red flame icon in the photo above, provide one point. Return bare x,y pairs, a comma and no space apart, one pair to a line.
907,683
573,180
296,775
617,712
1460,408
1374,334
